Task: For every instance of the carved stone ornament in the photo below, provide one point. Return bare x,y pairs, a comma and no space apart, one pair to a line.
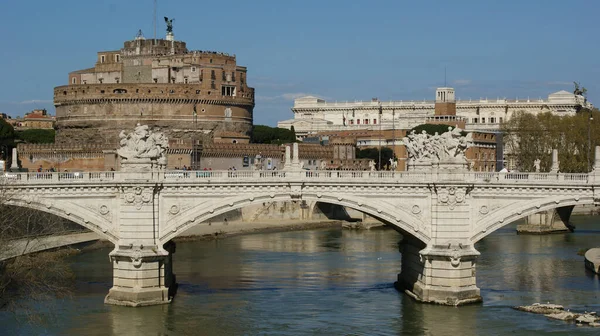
138,197
103,209
451,196
416,210
143,149
136,258
174,210
449,146
484,210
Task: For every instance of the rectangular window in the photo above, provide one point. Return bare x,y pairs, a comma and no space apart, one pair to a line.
493,120
117,58
101,58
374,121
212,75
185,80
351,121
483,120
227,90
73,80
358,121
233,76
193,69
223,76
366,121
475,120
501,120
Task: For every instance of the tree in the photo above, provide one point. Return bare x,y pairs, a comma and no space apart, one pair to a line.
272,135
529,137
373,154
31,278
431,129
7,133
36,136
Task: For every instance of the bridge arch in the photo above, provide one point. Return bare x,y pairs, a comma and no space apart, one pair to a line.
399,219
76,214
510,212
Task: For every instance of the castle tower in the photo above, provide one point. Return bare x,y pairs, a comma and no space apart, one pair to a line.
445,102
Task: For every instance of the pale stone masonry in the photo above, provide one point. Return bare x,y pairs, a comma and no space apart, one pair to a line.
313,115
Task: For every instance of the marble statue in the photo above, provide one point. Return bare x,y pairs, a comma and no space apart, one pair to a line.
323,165
449,146
143,146
536,165
372,165
393,164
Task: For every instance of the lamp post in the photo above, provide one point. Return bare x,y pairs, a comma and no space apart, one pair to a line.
589,141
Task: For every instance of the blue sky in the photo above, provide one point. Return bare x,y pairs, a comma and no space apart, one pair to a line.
339,50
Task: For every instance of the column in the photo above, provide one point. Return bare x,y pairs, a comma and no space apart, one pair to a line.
15,164
296,158
439,274
142,276
288,158
555,163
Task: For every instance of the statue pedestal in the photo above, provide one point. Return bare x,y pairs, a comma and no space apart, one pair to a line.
170,37
421,166
457,165
141,165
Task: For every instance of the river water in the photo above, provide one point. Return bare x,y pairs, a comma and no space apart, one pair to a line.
332,282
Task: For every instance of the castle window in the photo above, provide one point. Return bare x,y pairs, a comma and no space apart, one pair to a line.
155,80
73,80
233,76
374,121
223,76
137,90
210,60
227,90
100,80
84,81
197,91
185,80
501,120
193,69
64,93
358,121
101,58
117,58
351,121
212,74
117,79
493,120
475,120
483,120
366,121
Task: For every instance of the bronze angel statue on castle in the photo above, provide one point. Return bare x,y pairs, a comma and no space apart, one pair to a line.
169,24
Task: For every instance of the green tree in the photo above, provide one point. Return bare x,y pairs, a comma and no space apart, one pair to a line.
529,137
373,154
36,136
272,135
7,133
431,129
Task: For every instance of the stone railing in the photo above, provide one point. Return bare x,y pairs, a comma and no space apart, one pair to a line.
259,176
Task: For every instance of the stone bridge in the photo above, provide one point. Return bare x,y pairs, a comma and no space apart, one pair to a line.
441,215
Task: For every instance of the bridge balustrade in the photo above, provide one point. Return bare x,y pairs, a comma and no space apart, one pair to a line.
325,175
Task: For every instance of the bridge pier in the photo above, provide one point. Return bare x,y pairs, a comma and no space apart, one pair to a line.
439,274
142,276
550,221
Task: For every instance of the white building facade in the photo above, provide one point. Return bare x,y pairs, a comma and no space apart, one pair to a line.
313,115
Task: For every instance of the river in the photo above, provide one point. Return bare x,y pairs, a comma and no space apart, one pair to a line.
332,282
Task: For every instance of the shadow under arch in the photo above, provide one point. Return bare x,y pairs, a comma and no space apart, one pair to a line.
511,213
76,215
397,218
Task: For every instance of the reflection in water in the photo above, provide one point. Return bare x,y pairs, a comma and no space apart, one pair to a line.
333,282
